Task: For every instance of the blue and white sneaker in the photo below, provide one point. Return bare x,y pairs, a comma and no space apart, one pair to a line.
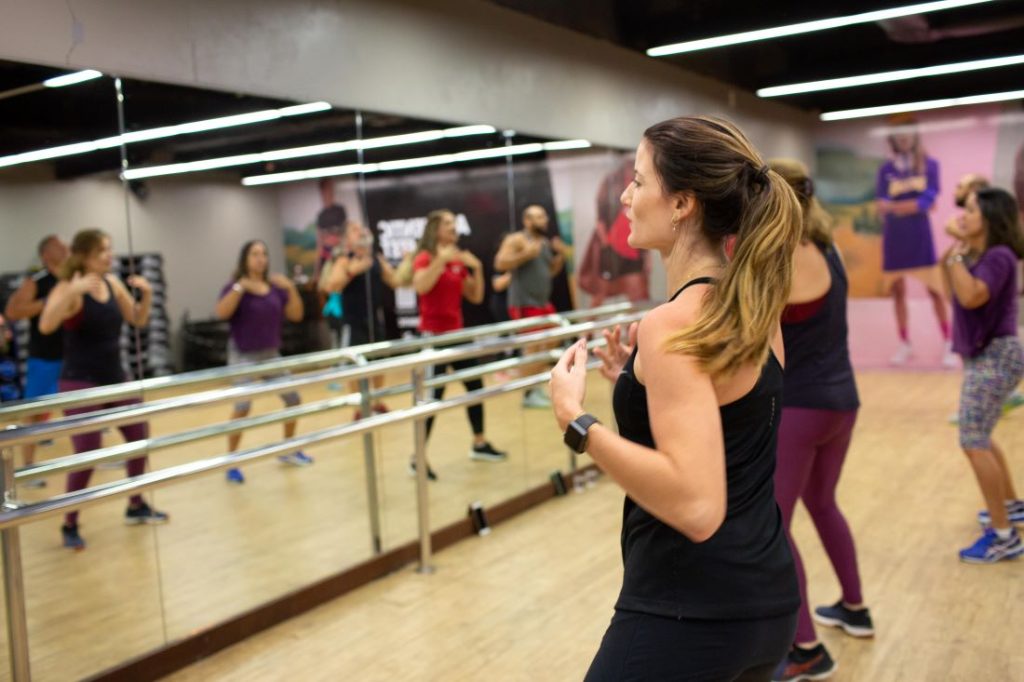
235,476
989,548
296,459
1014,509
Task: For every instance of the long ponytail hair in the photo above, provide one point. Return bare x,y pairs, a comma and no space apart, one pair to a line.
84,244
817,222
738,195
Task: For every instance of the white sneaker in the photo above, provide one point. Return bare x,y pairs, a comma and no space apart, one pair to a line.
902,354
537,400
950,360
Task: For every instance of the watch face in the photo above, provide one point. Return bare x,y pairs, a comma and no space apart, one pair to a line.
575,436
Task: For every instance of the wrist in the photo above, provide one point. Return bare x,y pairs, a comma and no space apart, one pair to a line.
953,259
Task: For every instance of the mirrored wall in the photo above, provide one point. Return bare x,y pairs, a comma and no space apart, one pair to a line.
204,192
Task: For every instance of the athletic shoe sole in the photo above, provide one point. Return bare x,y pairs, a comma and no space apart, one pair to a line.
852,630
1008,556
484,457
144,521
816,676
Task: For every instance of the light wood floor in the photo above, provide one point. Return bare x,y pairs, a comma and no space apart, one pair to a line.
530,601
230,548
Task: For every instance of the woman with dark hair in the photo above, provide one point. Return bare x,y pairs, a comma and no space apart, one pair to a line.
709,589
90,305
981,271
443,275
819,409
256,305
907,187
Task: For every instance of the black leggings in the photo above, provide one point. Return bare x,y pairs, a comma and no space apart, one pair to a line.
638,646
474,412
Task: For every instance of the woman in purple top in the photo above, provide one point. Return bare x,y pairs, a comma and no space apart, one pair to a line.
906,189
819,409
256,304
981,271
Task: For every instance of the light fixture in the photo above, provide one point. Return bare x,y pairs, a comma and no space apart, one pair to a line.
311,150
71,78
808,27
422,162
889,76
162,132
922,106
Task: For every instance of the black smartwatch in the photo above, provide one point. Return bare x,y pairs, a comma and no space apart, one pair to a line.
576,432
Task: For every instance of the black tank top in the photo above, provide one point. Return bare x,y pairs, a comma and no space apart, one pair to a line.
44,346
354,308
745,570
818,370
92,342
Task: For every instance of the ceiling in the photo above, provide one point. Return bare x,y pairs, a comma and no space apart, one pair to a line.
88,111
988,30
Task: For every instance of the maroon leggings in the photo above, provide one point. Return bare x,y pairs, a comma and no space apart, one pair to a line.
86,442
811,452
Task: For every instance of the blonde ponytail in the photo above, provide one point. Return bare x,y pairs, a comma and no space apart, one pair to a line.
741,313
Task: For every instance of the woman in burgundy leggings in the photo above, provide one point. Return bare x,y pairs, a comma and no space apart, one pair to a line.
91,305
819,408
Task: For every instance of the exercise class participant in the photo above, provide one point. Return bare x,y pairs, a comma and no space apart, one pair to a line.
256,304
819,409
981,271
91,305
533,261
361,275
709,589
444,274
45,351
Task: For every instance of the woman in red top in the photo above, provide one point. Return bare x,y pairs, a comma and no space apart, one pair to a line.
443,275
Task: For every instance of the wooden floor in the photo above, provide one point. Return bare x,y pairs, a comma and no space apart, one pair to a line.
230,548
530,601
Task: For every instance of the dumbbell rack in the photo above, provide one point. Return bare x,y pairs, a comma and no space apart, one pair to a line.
152,358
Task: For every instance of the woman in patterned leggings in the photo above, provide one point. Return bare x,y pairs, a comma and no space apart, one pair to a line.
981,270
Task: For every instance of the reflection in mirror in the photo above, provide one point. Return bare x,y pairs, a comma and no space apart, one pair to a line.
233,294
66,296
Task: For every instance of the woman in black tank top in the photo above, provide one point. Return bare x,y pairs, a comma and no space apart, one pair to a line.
709,589
91,305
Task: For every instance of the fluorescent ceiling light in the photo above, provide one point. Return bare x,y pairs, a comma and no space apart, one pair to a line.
922,106
300,152
162,132
809,27
889,76
71,78
424,161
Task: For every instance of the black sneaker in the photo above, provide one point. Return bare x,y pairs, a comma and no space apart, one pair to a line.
430,472
856,623
143,513
805,664
72,540
487,453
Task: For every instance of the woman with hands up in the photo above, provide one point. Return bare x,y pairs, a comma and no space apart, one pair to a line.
91,305
709,589
256,304
443,275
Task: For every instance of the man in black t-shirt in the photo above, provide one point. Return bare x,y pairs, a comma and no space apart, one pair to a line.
45,351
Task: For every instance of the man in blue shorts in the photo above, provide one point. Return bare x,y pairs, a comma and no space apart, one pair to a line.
45,351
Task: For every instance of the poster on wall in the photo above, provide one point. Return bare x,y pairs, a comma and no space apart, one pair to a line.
890,185
579,192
